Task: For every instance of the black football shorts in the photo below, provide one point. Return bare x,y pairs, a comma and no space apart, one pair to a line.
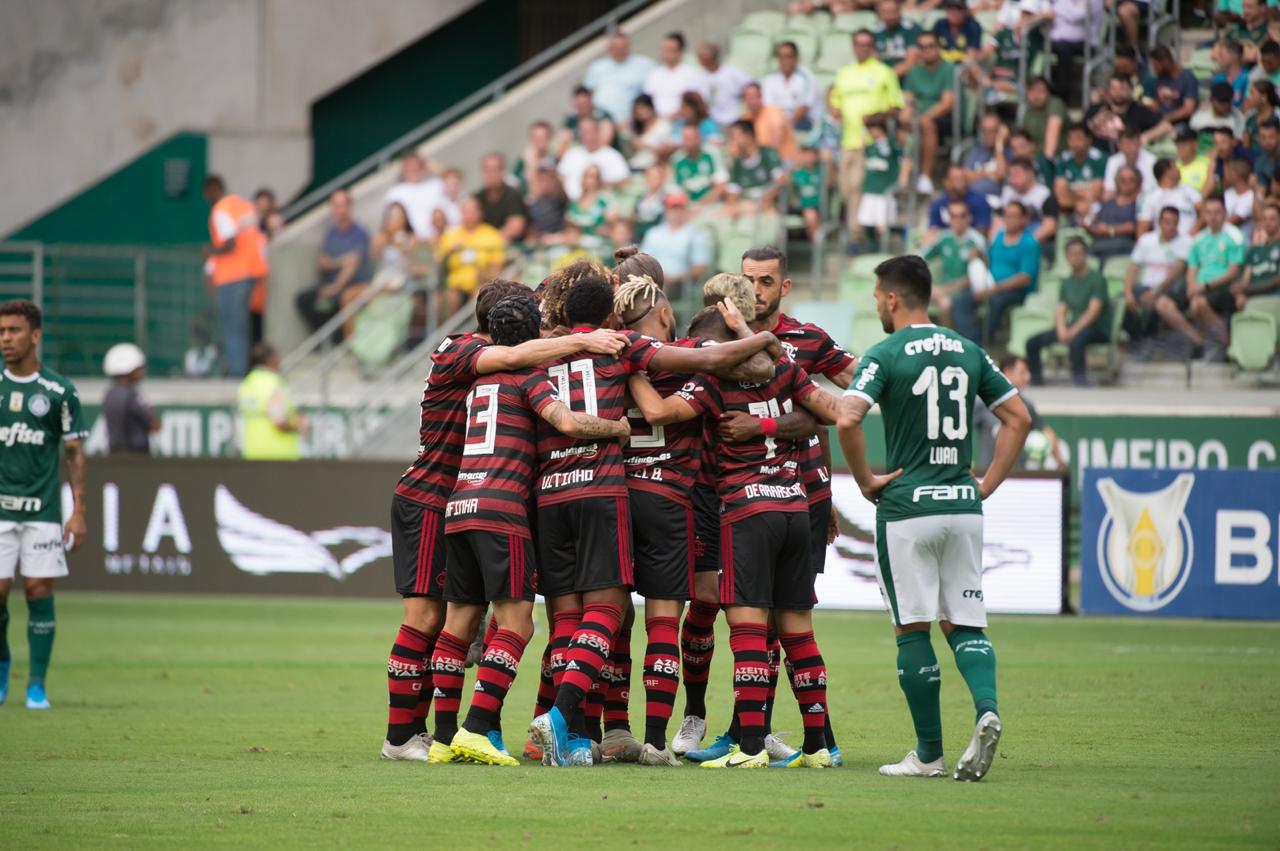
584,545
706,528
662,530
417,549
764,561
486,566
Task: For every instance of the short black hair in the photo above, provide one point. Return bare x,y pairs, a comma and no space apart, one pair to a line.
909,277
1076,240
1077,126
1162,53
515,319
1215,198
589,301
1024,133
25,308
1023,162
791,44
1271,123
677,37
766,253
213,181
581,90
1008,362
1233,46
708,324
489,295
1122,78
1177,214
261,354
1161,168
1022,208
265,192
1269,47
1222,129
745,126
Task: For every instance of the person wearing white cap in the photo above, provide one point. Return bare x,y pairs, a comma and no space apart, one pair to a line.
130,420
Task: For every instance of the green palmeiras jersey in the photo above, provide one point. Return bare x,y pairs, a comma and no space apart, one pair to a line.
37,413
925,379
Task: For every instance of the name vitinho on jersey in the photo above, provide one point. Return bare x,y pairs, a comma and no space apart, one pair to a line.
21,433
573,477
935,345
944,492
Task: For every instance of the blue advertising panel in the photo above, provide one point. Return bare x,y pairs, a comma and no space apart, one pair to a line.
1181,543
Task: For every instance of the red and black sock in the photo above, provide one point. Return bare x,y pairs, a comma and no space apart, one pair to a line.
427,689
494,675
404,683
809,681
448,670
750,683
564,625
697,646
617,699
593,706
489,632
661,678
546,685
586,655
774,649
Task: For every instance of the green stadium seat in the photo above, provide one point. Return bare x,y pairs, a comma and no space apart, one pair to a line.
825,314
1025,321
1201,63
750,50
858,290
816,24
835,51
806,44
1114,270
1110,349
824,77
851,22
767,21
729,251
865,331
864,265
1269,304
1253,340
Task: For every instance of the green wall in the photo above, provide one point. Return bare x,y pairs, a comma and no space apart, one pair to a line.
154,200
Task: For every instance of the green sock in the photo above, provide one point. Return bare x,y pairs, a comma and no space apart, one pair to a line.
5,656
40,628
921,682
976,659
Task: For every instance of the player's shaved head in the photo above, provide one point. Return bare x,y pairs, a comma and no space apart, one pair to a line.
709,324
589,302
492,293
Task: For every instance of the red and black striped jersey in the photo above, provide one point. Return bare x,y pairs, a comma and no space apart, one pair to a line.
665,460
815,351
761,474
429,480
569,468
499,456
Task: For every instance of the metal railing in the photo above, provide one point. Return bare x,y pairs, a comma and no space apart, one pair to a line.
94,296
380,159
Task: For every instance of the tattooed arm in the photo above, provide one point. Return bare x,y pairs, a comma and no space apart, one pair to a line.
76,528
575,424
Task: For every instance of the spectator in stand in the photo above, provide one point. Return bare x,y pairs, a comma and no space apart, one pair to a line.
1261,275
535,154
1022,146
590,212
1259,106
1035,201
697,171
652,204
130,420
1213,266
270,422
1239,197
886,174
1229,57
1080,319
270,219
1114,227
1169,192
613,168
693,111
1176,90
448,213
1194,168
1079,170
392,250
1159,262
956,248
864,88
1001,54
420,193
959,33
806,185
1251,30
683,250
957,189
987,427
343,263
792,88
1125,63
724,84
1267,162
1225,149
756,173
1268,67
895,37
982,164
1131,153
1219,112
650,136
584,107
1073,22
1015,267
1108,119
671,78
547,206
927,90
500,202
472,253
1044,117
772,129
617,79
238,254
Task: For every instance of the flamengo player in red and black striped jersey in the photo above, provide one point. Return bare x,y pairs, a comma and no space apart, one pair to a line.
491,553
584,530
764,542
417,511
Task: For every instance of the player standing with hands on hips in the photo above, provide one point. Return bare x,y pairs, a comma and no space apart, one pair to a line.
929,508
39,419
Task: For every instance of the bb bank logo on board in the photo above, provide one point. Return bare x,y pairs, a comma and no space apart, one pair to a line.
1145,546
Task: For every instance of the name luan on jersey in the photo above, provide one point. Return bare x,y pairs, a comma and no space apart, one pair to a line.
761,474
430,479
665,460
37,413
817,354
499,456
571,469
925,379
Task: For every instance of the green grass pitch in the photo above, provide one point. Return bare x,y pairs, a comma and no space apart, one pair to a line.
256,723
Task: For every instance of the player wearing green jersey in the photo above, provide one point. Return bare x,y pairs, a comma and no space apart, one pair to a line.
39,420
929,509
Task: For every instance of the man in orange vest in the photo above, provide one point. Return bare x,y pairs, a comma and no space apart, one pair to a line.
238,258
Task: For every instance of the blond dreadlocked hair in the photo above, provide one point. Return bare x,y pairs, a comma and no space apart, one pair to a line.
636,297
558,284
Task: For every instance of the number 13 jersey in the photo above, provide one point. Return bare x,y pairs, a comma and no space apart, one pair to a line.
925,379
